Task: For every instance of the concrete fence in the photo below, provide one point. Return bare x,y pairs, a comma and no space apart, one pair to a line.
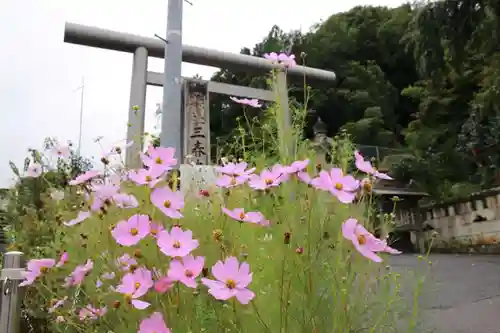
473,220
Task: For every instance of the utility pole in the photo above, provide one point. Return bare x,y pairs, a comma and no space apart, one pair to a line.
82,91
171,121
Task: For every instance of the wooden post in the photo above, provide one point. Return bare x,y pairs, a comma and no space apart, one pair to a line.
11,296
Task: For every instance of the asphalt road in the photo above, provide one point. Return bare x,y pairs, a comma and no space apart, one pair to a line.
461,292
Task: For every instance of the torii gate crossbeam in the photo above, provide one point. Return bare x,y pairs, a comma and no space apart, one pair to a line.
143,47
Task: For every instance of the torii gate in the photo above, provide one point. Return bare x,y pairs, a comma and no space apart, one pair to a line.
195,91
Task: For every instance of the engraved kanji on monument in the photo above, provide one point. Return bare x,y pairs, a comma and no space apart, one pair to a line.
196,123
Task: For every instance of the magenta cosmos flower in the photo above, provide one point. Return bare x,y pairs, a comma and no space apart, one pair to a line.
362,239
367,167
36,268
159,158
153,324
268,178
34,170
149,177
164,284
168,202
186,270
343,187
232,281
82,216
132,231
245,101
239,214
135,285
176,243
85,177
64,259
79,273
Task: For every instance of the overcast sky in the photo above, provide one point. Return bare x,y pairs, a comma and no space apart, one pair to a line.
39,73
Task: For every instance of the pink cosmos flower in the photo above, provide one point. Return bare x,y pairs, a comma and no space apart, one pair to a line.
296,166
64,259
239,214
57,304
233,174
92,313
125,261
226,181
168,202
235,169
387,249
177,243
159,158
163,284
155,229
150,177
245,101
267,178
304,177
232,281
282,58
367,167
123,200
34,170
85,177
343,187
82,216
34,269
118,148
61,151
187,270
108,276
103,193
132,231
135,285
79,273
362,239
153,324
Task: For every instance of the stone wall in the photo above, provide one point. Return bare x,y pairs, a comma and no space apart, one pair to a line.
471,222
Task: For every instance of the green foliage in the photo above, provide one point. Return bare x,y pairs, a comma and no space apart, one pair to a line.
424,77
31,218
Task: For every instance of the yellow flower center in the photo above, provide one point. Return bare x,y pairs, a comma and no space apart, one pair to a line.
154,232
242,215
188,273
148,178
268,181
339,186
361,239
134,231
233,181
231,284
177,244
137,285
158,160
167,204
44,269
